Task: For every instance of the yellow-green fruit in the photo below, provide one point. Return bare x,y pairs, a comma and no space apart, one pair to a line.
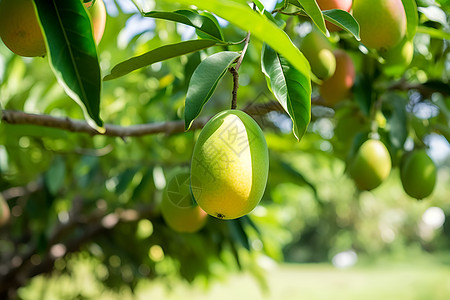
98,17
382,22
371,165
230,165
4,211
418,174
337,88
178,208
19,28
317,50
397,59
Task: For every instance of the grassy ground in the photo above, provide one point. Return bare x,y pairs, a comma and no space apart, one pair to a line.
319,282
413,279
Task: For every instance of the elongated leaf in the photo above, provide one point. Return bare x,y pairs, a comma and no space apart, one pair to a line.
156,55
397,119
54,177
344,20
291,88
238,233
433,32
190,18
313,11
259,26
73,54
280,23
412,18
204,81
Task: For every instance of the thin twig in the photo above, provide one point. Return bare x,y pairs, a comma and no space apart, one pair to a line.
235,74
244,50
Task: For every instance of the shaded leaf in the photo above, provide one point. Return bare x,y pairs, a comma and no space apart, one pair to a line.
238,233
291,88
55,175
398,130
204,81
73,53
344,20
191,18
157,55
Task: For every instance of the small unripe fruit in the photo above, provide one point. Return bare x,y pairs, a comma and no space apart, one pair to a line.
317,50
334,4
4,211
178,208
337,87
398,58
382,22
230,165
371,165
19,28
98,17
418,174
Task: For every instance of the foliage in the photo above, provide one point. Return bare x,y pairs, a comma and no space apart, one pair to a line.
99,195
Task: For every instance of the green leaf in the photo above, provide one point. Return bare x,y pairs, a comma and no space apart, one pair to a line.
291,88
214,19
344,20
433,32
73,53
313,11
280,23
396,119
204,81
156,55
54,177
191,18
412,18
238,233
259,26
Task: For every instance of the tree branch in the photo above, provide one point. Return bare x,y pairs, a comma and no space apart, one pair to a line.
19,117
170,127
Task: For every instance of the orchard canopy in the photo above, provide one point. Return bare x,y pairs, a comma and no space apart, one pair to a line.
331,135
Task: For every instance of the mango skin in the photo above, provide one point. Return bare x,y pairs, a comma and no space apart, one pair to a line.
178,208
418,174
398,58
98,18
4,211
382,22
21,33
230,165
19,28
337,88
371,165
334,4
317,50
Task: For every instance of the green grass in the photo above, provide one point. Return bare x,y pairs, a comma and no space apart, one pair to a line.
322,281
413,279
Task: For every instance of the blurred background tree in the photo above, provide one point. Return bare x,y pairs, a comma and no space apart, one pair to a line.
78,199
